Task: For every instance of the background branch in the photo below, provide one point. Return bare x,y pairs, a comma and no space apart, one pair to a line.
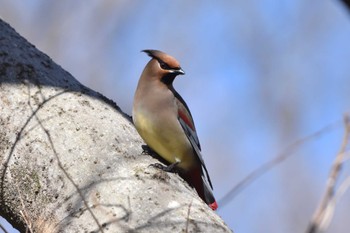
322,215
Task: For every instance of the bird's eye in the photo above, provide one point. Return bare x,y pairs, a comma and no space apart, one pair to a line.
164,66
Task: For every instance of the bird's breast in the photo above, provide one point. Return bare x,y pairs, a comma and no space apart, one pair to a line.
163,133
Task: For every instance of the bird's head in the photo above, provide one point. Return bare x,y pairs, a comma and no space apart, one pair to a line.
166,66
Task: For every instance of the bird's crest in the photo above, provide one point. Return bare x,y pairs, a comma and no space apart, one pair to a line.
166,61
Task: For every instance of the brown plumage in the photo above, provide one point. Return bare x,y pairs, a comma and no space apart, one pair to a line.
164,121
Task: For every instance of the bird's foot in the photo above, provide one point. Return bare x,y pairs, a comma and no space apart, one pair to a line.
170,168
146,150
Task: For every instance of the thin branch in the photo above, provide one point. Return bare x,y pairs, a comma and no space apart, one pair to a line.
342,188
188,216
346,157
27,220
24,213
321,216
250,178
329,211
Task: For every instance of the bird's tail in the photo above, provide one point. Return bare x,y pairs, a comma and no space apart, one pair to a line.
197,180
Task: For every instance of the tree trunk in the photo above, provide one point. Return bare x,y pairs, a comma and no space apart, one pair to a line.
71,161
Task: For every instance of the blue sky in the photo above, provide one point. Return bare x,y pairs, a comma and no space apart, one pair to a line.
259,75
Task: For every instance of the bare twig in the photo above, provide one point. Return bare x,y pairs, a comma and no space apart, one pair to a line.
27,220
23,212
329,211
188,216
342,188
272,163
323,213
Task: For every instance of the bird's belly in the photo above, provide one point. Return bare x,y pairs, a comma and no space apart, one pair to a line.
168,141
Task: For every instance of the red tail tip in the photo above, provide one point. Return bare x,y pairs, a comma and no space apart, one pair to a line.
213,205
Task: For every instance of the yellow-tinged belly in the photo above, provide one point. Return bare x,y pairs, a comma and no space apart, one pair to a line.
167,140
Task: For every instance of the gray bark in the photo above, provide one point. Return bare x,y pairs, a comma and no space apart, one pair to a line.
71,160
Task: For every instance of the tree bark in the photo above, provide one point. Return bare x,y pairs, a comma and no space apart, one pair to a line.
71,160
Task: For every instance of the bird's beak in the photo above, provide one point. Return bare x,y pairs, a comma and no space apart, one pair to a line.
178,72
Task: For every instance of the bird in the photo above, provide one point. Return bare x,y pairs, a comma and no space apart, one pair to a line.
164,122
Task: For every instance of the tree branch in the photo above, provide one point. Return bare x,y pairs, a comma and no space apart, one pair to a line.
322,214
264,168
71,161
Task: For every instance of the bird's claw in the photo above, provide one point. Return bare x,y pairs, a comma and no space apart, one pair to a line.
158,166
170,168
146,150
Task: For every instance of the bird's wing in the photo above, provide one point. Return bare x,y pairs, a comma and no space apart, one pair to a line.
186,121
